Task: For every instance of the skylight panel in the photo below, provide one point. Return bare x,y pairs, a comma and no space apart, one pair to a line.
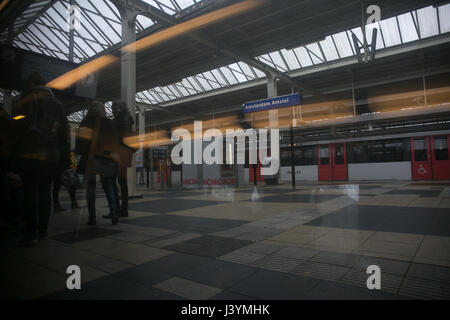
303,56
428,22
144,21
211,79
343,44
238,73
444,18
58,12
195,84
185,3
219,77
267,60
390,32
205,84
278,61
407,28
247,70
329,49
315,54
291,60
229,75
86,4
182,89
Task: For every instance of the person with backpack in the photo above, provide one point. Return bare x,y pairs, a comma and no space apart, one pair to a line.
41,130
123,123
94,133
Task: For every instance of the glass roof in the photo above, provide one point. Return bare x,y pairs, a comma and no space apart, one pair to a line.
411,26
79,115
101,28
14,93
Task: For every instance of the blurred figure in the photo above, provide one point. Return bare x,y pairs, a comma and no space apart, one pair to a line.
72,187
62,165
106,168
123,122
65,175
11,216
5,154
42,136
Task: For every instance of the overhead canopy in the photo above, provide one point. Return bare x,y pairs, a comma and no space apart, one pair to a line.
287,35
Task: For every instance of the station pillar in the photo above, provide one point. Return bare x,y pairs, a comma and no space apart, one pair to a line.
128,77
272,92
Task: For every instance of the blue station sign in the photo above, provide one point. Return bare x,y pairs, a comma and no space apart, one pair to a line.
272,103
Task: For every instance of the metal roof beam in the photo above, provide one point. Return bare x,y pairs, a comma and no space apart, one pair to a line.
163,18
29,21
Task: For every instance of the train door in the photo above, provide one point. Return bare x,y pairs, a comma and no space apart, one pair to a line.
339,162
439,157
325,170
421,158
333,162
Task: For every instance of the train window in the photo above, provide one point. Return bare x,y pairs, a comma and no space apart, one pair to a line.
309,156
339,154
303,156
375,151
440,148
324,155
285,158
394,150
420,150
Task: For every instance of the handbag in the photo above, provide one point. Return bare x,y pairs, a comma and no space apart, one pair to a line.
106,168
70,178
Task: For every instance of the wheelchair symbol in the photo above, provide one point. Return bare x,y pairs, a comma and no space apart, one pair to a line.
422,170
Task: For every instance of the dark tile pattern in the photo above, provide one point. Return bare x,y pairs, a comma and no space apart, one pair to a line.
84,235
432,221
327,290
169,205
300,198
186,224
272,285
422,193
174,264
219,274
208,246
111,287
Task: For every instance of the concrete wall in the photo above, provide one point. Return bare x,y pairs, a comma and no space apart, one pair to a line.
380,171
246,176
176,178
302,173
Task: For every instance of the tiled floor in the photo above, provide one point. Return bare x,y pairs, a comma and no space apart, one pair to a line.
312,243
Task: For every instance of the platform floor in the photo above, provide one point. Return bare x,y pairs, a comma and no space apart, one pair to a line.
276,243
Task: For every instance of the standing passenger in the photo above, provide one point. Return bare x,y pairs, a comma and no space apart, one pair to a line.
123,122
41,129
96,110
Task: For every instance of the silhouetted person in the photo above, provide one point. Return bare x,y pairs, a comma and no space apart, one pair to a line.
96,114
61,166
58,181
123,122
72,189
42,133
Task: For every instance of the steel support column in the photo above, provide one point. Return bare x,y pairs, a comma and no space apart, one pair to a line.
128,76
272,92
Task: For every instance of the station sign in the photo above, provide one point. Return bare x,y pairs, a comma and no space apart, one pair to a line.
272,103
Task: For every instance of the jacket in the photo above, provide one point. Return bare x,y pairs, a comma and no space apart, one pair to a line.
41,129
124,123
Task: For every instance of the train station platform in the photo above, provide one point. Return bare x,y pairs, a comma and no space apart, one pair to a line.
236,244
